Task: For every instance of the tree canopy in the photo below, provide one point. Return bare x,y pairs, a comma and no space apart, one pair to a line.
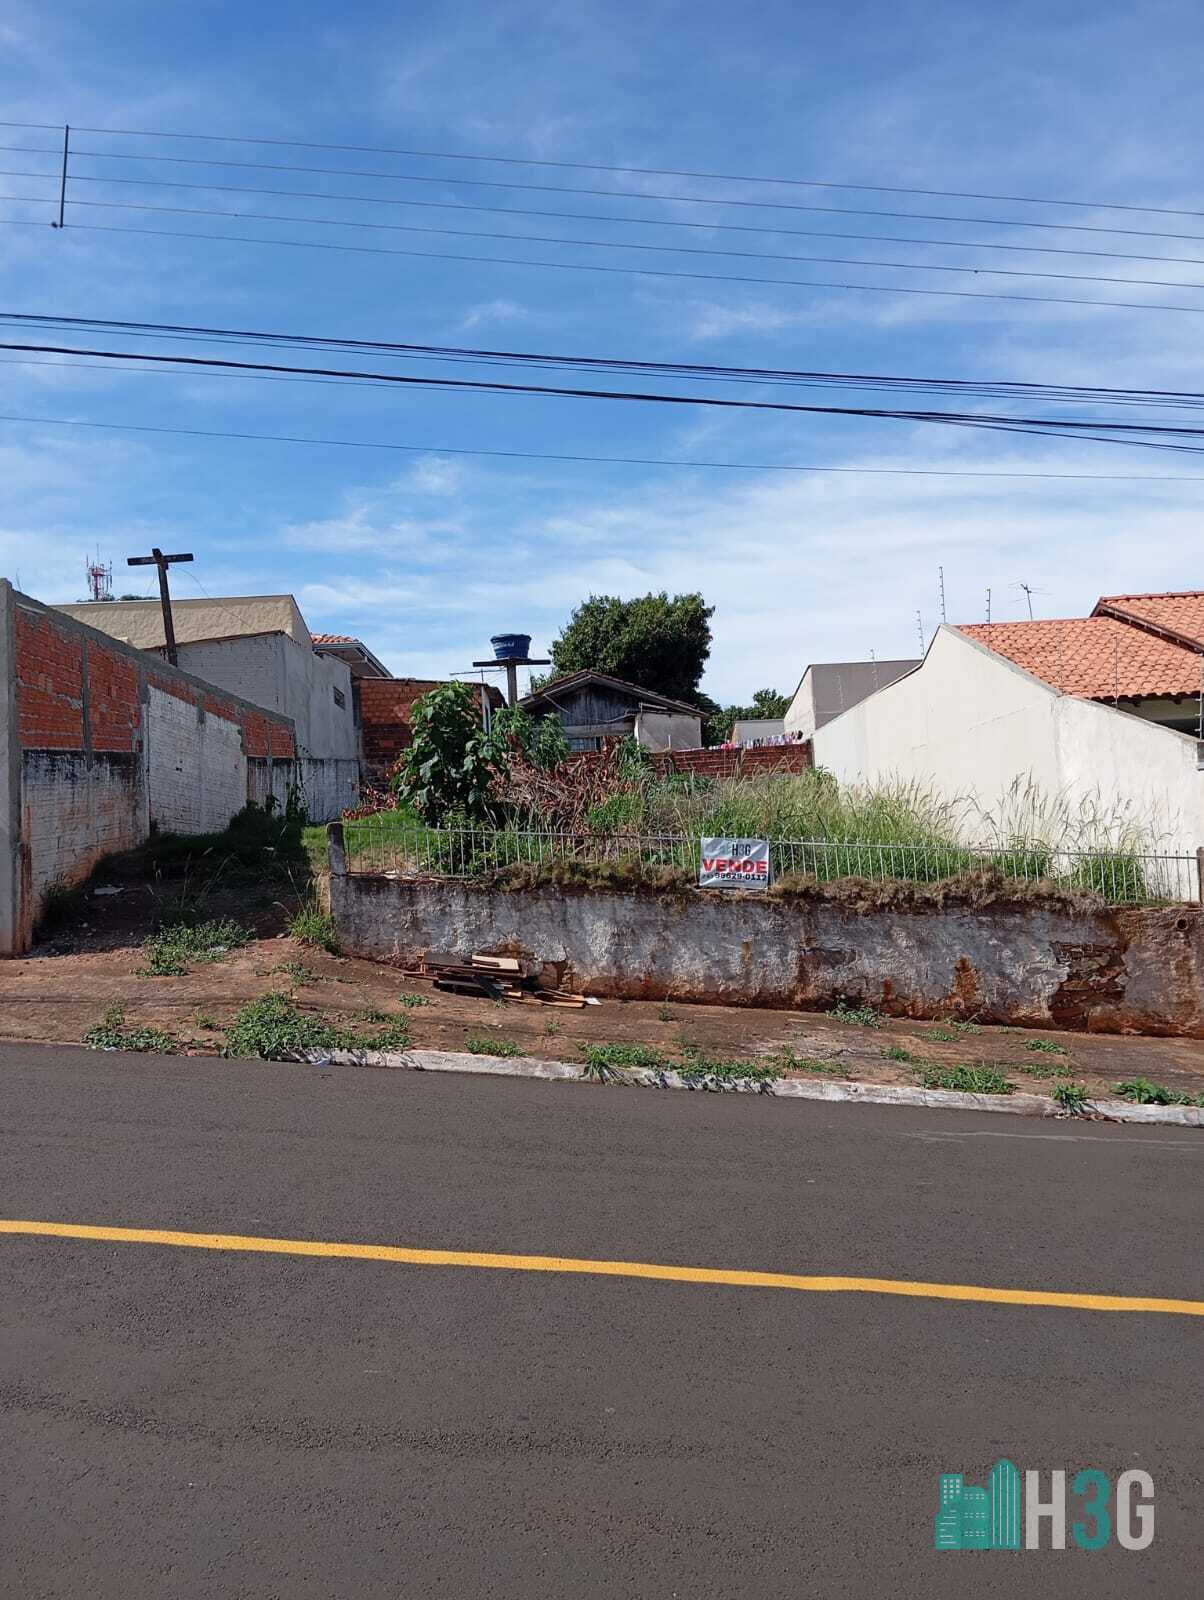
657,642
765,703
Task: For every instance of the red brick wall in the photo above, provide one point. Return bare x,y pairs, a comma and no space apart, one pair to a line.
386,708
51,699
49,684
744,763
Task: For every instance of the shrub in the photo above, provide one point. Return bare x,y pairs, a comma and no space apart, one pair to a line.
449,767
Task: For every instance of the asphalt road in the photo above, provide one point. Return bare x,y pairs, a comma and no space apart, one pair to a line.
179,1422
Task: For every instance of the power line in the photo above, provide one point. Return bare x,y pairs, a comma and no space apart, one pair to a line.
613,244
644,272
994,388
645,172
600,216
609,194
1100,432
630,461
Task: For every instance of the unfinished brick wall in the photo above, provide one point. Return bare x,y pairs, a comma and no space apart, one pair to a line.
100,743
386,708
741,763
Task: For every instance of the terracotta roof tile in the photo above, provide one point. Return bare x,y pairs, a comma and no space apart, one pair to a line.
1180,615
1097,658
333,638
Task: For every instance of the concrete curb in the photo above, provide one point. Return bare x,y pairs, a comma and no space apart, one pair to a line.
875,1094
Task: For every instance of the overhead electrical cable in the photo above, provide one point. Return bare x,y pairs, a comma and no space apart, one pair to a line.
644,272
609,194
616,244
1162,435
597,166
636,461
710,226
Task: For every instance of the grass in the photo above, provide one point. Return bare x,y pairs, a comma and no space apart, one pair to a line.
978,1079
204,1019
1046,1047
275,1027
483,1044
314,927
863,1016
410,1001
1044,1069
111,1033
699,1067
1141,1092
607,1061
898,1052
170,952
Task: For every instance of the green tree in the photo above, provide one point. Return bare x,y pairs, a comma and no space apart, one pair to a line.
448,768
658,643
768,703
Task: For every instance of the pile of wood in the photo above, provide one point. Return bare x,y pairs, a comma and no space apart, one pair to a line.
493,978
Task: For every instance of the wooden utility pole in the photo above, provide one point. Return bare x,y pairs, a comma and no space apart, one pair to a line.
158,559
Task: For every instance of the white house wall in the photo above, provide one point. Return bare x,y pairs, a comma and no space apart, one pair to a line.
967,723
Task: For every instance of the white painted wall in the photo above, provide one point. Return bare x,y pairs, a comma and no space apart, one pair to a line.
970,723
274,670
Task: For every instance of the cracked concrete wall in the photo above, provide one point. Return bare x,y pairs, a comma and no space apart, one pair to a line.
1104,970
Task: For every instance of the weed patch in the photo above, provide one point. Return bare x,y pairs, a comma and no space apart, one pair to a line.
1141,1092
480,1044
1046,1047
898,1052
170,952
606,1061
412,1000
788,1060
863,1016
314,927
705,1069
111,1033
275,1027
1071,1097
981,1079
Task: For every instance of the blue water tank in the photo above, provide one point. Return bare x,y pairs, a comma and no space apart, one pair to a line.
511,646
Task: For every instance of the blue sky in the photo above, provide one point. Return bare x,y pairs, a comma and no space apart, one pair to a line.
424,554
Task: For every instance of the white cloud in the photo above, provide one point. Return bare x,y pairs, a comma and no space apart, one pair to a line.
493,311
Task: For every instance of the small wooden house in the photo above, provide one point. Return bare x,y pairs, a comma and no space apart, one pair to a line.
593,706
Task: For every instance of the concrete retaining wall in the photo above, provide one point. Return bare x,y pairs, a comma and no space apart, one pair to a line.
1138,971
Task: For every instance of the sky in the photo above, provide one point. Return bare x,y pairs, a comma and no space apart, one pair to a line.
425,552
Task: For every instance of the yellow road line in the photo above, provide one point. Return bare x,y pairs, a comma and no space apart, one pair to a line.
606,1269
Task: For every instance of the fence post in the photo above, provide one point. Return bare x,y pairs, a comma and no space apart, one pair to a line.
1200,875
336,852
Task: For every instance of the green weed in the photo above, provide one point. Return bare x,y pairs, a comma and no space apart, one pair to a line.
274,1027
111,1033
1046,1047
1071,1097
787,1060
980,1079
862,1016
170,952
606,1061
314,927
481,1044
412,1000
898,1052
1141,1092
699,1067
202,1019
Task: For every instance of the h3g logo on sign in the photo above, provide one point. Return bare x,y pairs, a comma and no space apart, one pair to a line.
973,1518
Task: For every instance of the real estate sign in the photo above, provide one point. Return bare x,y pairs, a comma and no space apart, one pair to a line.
734,864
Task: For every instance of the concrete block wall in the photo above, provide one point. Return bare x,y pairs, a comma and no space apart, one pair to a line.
100,743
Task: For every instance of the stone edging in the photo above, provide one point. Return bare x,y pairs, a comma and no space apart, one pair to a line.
880,1094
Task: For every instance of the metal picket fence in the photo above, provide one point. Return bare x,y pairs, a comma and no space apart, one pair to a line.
388,844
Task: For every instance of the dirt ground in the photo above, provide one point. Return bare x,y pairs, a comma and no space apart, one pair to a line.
63,988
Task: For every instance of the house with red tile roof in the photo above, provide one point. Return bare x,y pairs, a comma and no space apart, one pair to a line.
1103,713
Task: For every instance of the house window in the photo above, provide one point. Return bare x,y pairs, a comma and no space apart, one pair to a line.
340,699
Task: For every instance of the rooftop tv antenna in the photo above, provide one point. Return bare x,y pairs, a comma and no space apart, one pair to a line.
1029,592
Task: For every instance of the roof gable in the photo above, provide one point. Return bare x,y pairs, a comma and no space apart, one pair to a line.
1178,616
572,681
